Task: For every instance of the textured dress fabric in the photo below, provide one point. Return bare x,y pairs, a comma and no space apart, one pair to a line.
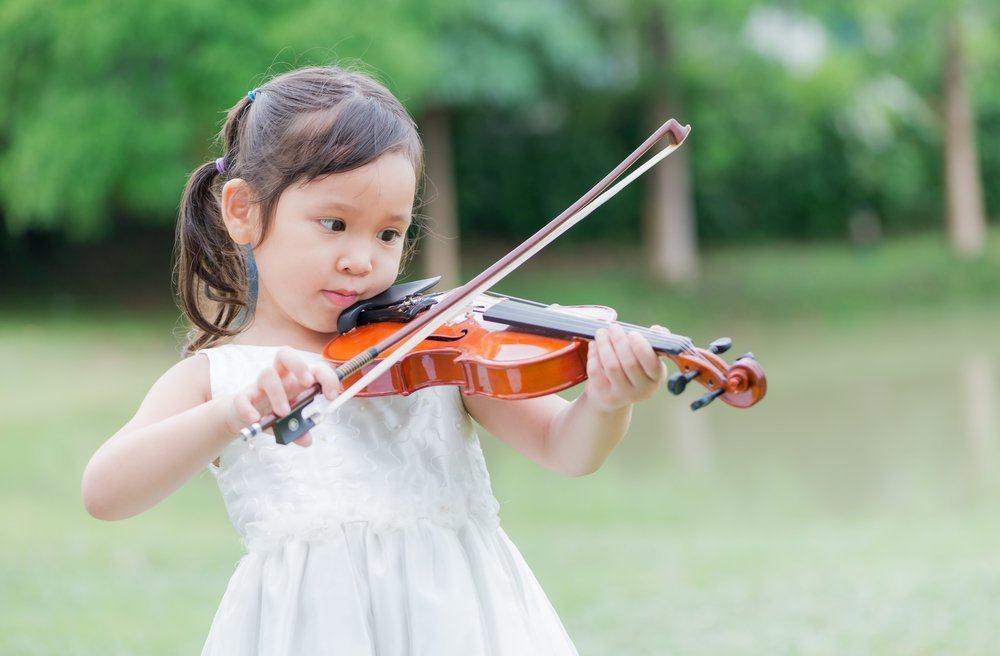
383,537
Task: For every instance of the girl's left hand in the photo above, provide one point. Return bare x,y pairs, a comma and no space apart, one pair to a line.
622,368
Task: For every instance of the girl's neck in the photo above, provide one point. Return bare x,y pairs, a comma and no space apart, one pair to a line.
312,348
301,338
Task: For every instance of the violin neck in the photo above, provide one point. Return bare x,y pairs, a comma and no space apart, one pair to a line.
544,320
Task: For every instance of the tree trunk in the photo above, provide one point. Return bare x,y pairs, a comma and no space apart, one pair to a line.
669,236
980,389
440,244
964,204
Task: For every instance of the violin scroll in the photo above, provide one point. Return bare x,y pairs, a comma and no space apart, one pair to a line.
740,384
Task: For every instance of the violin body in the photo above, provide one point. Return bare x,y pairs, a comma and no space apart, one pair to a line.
478,355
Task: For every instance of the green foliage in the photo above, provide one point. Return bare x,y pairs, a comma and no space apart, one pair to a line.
108,106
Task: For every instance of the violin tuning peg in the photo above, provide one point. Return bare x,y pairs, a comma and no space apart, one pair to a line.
720,345
677,382
707,398
748,354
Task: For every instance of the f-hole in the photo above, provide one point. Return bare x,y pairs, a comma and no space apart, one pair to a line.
445,338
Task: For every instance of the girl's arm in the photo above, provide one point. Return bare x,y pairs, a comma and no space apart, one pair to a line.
575,438
173,435
177,431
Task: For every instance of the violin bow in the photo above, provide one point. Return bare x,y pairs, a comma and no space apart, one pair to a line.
295,424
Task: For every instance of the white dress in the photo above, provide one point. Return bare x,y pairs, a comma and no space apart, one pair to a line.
381,538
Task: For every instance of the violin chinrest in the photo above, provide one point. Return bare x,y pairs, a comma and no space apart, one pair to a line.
396,294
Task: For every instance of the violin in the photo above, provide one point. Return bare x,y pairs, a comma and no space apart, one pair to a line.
511,348
488,343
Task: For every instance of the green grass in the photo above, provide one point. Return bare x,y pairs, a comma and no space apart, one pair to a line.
852,512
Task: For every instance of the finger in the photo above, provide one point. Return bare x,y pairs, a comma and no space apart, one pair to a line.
287,360
305,440
258,398
609,359
657,326
306,379
651,365
328,380
595,369
274,387
246,409
242,412
630,364
294,385
293,369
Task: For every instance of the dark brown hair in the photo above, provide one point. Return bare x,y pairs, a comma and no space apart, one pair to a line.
301,125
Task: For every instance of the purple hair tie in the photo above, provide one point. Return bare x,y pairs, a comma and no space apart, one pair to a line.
220,165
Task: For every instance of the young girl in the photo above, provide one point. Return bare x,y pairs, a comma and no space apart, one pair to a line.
381,537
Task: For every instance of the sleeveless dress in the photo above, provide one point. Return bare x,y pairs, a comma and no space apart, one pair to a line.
382,538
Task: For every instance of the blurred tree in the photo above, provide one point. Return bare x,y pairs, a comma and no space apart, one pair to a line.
440,245
498,54
670,241
913,54
108,104
767,84
804,115
963,186
107,121
642,34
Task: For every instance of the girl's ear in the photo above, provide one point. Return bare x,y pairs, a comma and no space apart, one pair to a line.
238,213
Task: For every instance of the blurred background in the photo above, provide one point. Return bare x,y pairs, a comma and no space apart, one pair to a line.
834,211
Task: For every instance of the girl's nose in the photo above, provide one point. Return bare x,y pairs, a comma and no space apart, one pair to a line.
357,264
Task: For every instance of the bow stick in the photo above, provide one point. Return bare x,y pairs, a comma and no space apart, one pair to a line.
457,300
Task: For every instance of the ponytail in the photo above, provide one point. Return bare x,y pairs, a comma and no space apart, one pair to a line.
211,269
211,272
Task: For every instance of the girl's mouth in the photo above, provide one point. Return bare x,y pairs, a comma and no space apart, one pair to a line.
339,299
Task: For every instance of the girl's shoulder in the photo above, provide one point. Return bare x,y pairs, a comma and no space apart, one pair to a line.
195,372
181,387
191,372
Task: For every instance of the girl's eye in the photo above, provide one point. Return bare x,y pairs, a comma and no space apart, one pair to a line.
337,224
389,236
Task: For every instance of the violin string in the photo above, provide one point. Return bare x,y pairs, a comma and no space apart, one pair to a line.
684,342
515,298
539,305
588,326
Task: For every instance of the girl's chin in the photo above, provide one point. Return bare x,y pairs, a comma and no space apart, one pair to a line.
323,320
328,325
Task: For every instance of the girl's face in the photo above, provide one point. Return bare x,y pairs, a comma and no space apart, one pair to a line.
333,241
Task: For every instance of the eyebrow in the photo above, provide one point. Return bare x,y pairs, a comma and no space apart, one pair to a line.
336,205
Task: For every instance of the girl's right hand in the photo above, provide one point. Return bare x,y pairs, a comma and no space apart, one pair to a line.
285,379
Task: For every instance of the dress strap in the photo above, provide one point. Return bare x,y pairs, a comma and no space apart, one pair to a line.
227,373
228,368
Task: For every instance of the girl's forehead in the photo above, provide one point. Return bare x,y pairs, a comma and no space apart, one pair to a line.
389,180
